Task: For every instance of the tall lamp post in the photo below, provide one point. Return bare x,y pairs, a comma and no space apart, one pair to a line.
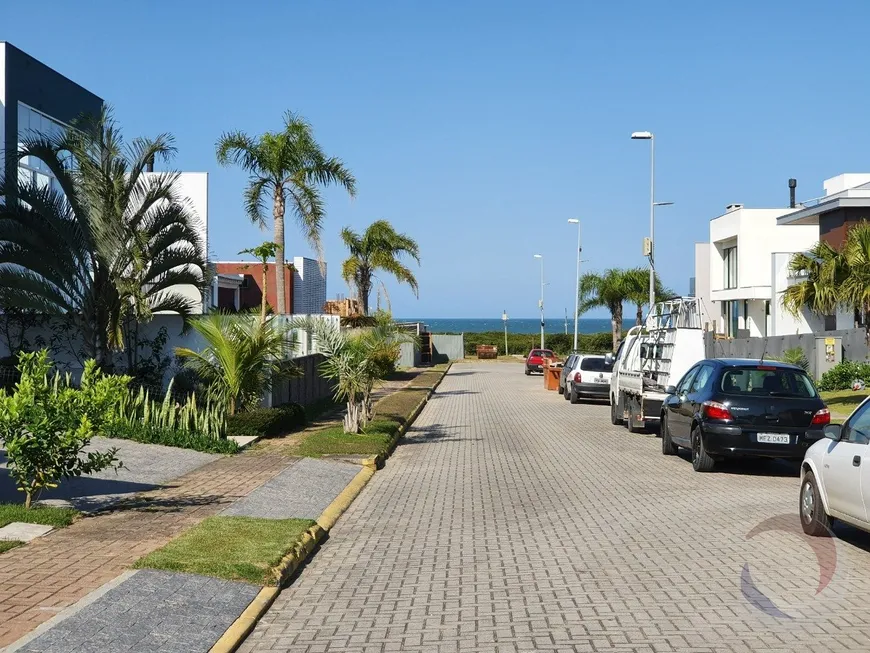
577,286
648,136
541,301
504,318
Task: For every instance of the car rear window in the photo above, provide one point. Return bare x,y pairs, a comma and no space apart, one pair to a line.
767,382
595,365
542,352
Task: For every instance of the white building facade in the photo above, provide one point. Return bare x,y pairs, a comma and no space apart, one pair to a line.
740,274
309,286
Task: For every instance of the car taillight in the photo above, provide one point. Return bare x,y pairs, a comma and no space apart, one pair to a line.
577,377
821,418
715,410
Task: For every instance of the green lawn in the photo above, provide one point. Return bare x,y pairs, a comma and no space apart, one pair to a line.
842,402
234,548
334,441
57,517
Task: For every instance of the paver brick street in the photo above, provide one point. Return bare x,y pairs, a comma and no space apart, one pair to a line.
511,520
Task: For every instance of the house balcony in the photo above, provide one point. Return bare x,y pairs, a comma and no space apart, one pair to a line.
740,293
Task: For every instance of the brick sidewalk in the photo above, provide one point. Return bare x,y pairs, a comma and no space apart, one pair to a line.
49,574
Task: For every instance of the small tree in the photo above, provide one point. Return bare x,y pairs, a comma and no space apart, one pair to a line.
47,425
263,252
242,358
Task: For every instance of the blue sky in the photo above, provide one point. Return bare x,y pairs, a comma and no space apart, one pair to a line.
480,127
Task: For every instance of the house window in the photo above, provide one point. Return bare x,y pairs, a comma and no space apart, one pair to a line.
731,317
730,259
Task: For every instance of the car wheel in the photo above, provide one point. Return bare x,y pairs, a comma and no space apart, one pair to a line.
615,417
575,398
668,447
528,372
701,460
814,519
634,425
567,393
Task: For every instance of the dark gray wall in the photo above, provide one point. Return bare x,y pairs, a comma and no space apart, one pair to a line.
447,348
35,84
304,389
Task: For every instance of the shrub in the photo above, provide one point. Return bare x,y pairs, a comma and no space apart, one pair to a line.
795,356
840,376
46,425
522,343
208,420
267,422
151,434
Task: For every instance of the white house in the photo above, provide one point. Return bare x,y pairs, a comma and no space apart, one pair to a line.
739,274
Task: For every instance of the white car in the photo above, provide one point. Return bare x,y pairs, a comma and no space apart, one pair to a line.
835,476
588,377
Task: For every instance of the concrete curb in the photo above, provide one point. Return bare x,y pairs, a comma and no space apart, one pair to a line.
242,627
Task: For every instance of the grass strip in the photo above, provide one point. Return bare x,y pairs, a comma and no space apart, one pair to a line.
334,441
842,402
6,545
47,515
234,548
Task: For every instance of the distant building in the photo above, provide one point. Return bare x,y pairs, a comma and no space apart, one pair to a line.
309,286
239,286
35,99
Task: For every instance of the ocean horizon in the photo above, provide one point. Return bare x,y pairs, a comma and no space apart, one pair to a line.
518,325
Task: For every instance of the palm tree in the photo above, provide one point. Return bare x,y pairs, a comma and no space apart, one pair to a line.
291,167
264,252
379,248
108,244
638,280
822,272
243,358
608,290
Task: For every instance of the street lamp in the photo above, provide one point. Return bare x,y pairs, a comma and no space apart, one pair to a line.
504,318
577,288
648,136
541,302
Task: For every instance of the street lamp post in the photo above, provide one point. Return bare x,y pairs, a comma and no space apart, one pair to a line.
577,286
648,136
541,302
504,318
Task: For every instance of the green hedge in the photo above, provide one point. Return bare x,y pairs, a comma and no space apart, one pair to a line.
840,376
267,422
522,343
151,434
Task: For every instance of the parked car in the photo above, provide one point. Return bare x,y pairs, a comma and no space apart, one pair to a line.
568,367
733,407
835,476
535,360
588,378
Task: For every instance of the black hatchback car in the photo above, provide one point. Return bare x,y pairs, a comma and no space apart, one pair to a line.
733,407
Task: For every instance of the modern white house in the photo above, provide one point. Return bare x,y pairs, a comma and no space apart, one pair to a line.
740,273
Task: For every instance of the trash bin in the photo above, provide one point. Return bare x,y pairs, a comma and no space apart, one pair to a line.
551,376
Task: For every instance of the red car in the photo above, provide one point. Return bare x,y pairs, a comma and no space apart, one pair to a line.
535,360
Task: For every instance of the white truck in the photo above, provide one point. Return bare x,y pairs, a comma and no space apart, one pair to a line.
653,357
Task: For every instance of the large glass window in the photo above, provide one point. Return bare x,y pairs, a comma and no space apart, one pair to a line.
730,259
30,124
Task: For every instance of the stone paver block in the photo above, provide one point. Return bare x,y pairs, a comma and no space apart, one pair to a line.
512,520
302,491
23,532
150,611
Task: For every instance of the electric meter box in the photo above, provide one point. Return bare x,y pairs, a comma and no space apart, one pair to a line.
829,352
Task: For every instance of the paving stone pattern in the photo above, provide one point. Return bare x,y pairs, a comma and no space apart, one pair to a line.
154,611
302,491
51,573
510,520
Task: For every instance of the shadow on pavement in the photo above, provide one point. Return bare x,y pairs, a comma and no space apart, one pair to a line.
752,466
436,433
449,393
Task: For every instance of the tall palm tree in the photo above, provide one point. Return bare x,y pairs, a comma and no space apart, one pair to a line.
289,166
108,244
380,247
608,290
638,280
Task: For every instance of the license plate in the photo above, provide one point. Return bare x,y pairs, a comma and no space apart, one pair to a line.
599,381
774,438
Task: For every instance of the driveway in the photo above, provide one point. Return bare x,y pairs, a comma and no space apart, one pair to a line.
146,467
511,520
